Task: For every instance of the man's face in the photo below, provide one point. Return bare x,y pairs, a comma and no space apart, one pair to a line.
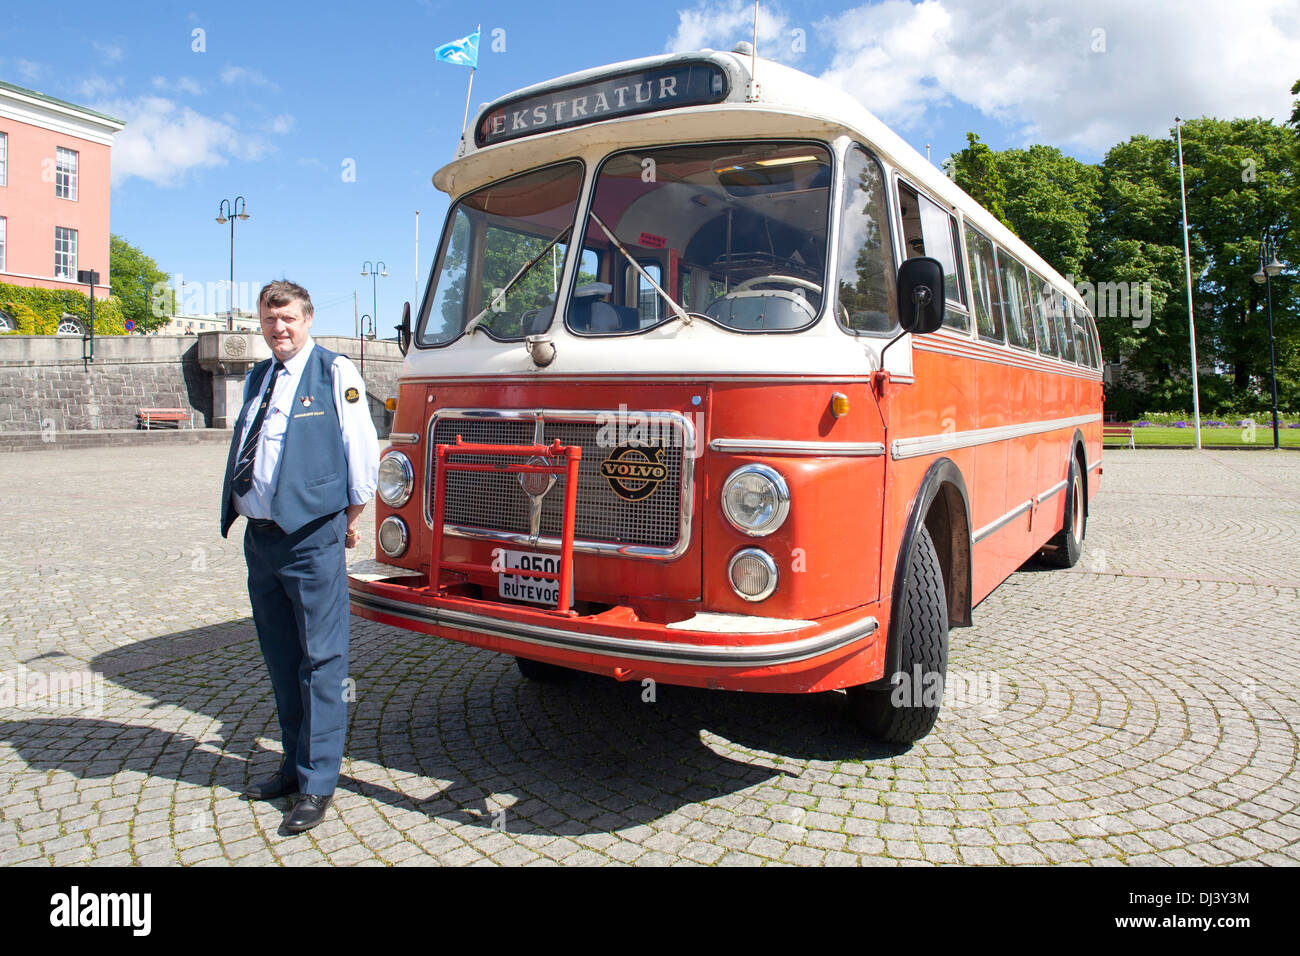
285,328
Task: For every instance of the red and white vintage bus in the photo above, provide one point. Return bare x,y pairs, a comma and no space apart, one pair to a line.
718,382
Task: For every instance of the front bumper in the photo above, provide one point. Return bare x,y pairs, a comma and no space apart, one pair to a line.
789,657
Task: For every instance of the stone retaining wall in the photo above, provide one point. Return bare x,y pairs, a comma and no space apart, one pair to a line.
46,384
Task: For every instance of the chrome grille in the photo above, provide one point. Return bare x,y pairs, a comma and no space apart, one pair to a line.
483,502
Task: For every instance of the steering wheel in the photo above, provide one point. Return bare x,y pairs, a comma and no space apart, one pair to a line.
788,280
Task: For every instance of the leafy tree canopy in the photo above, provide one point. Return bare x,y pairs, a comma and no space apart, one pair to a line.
139,284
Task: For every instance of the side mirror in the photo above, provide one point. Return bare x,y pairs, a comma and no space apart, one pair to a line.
404,330
920,295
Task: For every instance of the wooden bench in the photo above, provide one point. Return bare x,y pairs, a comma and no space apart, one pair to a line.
147,418
1118,431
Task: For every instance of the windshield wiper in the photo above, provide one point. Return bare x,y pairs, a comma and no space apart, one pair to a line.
672,303
473,323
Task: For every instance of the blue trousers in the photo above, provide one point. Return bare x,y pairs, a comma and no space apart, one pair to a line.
298,587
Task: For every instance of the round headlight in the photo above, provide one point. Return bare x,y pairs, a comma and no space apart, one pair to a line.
752,573
392,536
396,479
756,500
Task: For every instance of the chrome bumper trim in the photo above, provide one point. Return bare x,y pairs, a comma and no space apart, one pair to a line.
704,655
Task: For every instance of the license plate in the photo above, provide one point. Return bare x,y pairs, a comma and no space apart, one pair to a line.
514,583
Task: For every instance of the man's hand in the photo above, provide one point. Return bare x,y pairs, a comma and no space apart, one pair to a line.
353,537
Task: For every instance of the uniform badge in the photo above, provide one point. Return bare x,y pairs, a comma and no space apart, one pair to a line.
352,395
306,401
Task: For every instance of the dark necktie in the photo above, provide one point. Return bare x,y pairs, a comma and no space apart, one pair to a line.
243,478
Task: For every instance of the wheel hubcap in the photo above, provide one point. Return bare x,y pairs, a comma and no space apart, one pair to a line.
1076,510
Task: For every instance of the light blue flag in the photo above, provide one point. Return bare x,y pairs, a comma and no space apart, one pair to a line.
462,52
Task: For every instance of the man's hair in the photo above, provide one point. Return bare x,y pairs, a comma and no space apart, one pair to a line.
282,292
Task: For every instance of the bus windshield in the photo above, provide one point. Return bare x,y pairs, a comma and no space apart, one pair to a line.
502,256
732,232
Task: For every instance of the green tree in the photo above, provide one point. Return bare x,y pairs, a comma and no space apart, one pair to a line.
1295,108
975,169
1051,202
140,285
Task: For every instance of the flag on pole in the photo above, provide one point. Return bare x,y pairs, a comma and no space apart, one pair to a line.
462,52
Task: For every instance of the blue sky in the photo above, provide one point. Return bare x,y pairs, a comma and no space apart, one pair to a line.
284,94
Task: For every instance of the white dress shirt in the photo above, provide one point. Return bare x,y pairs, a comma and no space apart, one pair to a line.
360,443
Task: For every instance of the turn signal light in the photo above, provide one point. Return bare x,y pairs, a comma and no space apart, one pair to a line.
390,404
839,404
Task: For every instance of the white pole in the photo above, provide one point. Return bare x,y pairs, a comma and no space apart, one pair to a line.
1187,259
417,259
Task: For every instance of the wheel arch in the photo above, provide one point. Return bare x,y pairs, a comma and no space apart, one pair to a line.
942,505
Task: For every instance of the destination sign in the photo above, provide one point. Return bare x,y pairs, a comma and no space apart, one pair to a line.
643,91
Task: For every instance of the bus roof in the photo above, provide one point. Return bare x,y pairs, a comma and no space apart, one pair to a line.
779,88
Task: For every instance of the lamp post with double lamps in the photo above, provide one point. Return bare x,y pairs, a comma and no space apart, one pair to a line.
1269,266
374,270
231,211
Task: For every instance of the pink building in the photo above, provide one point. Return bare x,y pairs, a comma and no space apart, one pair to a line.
54,191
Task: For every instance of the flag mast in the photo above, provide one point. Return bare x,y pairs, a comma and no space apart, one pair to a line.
478,31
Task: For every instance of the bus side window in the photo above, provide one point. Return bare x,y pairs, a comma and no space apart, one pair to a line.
984,283
866,282
1063,319
928,230
1015,296
1042,295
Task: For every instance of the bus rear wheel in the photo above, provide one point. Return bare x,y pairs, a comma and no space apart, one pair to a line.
905,708
1067,546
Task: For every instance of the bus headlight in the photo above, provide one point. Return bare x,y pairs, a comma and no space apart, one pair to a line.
752,573
392,536
755,500
396,479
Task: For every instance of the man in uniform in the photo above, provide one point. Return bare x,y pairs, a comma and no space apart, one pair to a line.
303,463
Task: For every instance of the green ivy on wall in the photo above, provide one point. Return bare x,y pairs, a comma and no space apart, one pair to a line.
38,311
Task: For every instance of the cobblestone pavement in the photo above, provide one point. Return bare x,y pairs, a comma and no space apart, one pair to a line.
1140,708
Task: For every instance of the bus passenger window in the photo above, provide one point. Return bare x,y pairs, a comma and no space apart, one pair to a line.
1015,297
1063,320
930,231
866,280
1044,302
984,285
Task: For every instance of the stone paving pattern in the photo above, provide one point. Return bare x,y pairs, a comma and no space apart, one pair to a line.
1146,707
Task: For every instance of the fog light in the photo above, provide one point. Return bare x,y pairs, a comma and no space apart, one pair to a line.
392,537
752,573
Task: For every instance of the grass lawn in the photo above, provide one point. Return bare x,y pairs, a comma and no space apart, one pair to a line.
1186,437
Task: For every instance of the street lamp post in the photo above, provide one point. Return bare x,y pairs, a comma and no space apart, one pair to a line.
1269,266
365,321
231,211
374,270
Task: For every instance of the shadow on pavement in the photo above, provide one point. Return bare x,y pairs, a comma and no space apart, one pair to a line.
459,727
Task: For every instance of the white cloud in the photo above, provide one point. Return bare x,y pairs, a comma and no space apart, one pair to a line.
29,72
97,87
111,52
233,75
1083,75
183,84
280,124
722,26
163,141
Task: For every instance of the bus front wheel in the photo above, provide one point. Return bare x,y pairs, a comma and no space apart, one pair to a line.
904,709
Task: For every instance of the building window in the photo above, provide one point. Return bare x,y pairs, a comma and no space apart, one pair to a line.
4,159
69,325
4,224
65,174
65,253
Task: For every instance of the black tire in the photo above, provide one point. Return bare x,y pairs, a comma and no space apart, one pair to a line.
546,673
904,709
1065,549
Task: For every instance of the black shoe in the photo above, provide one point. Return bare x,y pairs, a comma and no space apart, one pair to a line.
272,787
307,812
